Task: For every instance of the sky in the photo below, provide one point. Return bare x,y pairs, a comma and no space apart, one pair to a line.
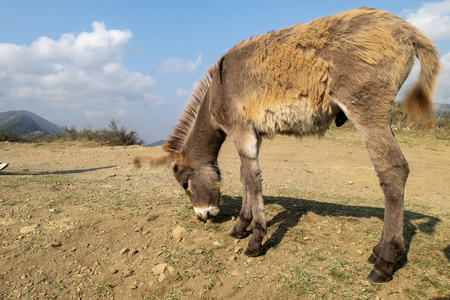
82,63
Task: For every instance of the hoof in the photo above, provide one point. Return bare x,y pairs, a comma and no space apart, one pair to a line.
253,253
233,234
378,277
372,259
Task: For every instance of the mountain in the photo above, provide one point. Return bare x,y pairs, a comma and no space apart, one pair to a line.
440,108
22,122
158,143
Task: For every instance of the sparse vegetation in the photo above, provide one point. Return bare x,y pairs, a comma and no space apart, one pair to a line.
400,122
113,135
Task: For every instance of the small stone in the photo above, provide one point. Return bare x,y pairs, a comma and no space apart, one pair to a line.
208,224
359,251
232,258
51,210
128,273
28,229
350,182
55,244
162,277
134,285
133,251
238,249
339,231
171,269
217,244
114,271
199,251
159,269
178,233
124,251
236,273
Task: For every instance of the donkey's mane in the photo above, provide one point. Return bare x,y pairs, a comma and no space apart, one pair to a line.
181,130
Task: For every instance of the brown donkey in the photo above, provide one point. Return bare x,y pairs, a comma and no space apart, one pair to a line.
296,82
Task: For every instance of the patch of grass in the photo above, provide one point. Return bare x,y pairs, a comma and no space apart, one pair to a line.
210,286
152,218
173,256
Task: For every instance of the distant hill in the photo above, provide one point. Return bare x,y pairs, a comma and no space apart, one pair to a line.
440,108
158,143
22,123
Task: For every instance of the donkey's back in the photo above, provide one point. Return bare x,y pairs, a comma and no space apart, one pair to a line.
295,81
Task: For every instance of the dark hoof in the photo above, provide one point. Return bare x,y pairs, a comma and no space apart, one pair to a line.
372,259
378,277
233,234
253,253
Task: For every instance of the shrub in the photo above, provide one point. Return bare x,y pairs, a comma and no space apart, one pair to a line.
113,135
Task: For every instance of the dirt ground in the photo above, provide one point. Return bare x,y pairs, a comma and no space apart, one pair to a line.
79,221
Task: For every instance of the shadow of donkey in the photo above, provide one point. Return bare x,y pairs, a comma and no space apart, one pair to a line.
296,208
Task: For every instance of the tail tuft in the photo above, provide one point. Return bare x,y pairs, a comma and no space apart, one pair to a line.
419,102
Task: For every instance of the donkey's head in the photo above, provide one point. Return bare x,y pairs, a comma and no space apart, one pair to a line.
201,182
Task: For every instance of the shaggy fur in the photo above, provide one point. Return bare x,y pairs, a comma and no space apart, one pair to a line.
297,81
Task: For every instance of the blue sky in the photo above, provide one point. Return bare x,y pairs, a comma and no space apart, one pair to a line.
84,62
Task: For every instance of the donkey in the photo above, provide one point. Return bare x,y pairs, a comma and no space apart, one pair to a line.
296,81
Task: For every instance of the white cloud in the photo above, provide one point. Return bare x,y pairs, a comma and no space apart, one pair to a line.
178,65
180,93
82,70
433,18
443,88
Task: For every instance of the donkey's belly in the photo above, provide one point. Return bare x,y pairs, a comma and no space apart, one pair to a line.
298,119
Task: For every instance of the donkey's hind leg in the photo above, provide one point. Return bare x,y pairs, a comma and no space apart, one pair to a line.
392,170
247,143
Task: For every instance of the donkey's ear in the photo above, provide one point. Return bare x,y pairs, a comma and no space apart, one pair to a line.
156,160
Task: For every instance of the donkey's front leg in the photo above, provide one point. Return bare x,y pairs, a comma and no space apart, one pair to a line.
245,216
247,145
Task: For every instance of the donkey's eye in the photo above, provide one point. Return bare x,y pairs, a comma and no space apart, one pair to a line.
185,185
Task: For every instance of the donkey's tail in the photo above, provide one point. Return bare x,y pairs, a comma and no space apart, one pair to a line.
419,102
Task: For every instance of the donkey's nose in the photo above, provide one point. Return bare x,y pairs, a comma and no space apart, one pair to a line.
204,214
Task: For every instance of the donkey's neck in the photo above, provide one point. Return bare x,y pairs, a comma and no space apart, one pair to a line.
205,139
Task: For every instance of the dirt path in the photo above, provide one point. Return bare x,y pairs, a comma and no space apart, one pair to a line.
78,221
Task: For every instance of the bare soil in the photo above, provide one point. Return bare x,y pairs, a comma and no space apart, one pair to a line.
79,221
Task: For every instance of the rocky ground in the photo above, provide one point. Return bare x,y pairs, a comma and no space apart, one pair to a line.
79,221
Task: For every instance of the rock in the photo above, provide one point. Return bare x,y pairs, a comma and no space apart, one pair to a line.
134,285
28,229
128,273
217,244
55,244
359,251
161,278
133,251
208,224
238,249
199,251
178,233
232,258
124,251
171,269
159,269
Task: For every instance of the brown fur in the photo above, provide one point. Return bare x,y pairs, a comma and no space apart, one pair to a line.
297,81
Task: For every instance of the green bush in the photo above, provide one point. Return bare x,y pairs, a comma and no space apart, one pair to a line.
113,135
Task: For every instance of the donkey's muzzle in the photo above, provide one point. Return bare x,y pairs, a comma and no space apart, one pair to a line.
204,214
